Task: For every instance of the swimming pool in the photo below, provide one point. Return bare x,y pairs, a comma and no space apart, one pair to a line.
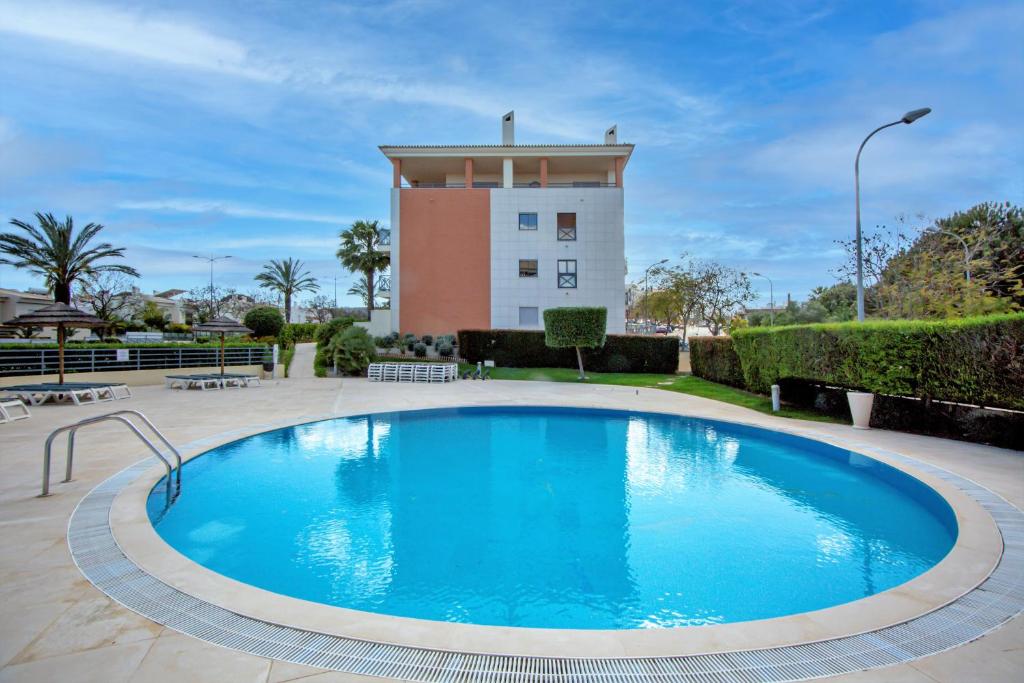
554,517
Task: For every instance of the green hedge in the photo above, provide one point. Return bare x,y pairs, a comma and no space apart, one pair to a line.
298,333
572,326
715,359
527,349
971,360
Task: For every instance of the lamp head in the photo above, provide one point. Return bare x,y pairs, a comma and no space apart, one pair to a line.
914,115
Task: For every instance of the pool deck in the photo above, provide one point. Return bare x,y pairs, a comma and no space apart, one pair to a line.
55,625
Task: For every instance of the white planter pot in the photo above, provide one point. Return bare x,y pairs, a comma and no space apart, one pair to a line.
860,408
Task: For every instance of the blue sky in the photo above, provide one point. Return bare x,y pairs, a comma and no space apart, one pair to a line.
251,128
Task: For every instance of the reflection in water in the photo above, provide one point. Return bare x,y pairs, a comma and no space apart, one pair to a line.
555,518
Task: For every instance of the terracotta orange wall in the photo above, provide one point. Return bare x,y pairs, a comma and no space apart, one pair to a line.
444,260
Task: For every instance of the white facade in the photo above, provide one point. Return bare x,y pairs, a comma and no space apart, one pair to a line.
598,253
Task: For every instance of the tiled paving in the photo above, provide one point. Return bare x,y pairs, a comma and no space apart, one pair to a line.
54,625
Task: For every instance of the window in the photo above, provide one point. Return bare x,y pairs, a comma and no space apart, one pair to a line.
566,226
527,267
567,274
527,221
528,316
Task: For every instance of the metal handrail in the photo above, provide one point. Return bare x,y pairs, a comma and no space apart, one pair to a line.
116,416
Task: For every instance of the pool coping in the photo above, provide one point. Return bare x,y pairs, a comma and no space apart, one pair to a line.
974,556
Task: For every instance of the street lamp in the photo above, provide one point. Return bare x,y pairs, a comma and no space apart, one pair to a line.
771,294
908,118
211,259
647,290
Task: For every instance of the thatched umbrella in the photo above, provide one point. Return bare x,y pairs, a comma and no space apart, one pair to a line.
224,326
60,316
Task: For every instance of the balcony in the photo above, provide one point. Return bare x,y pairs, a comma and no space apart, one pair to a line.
382,287
384,243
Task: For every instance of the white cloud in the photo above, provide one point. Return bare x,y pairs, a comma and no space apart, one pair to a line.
215,206
139,34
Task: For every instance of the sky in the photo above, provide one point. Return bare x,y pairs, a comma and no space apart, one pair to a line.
251,128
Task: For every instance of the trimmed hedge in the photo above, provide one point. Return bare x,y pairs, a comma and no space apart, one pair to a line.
715,359
264,321
575,326
298,333
527,349
971,360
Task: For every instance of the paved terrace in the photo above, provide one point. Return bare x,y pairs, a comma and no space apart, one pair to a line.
54,625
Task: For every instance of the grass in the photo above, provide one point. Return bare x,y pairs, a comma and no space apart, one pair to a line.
683,384
286,359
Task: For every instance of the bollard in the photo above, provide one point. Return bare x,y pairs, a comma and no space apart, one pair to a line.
775,398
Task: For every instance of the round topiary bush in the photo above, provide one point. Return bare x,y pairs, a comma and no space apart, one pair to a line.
420,349
445,350
427,339
264,321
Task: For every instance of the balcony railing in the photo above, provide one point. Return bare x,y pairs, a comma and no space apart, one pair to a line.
534,184
383,285
384,243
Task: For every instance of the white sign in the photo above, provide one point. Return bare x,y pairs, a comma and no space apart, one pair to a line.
122,355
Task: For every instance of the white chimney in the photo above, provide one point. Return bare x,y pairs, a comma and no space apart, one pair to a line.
508,128
611,136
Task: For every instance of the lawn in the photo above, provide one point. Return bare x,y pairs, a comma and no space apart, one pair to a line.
684,384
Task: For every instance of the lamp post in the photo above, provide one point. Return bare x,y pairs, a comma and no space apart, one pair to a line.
647,290
908,118
771,295
211,259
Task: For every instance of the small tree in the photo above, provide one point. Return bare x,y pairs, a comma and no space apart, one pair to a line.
153,316
352,349
264,321
578,327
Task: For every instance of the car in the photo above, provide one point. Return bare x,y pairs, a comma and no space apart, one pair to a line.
661,329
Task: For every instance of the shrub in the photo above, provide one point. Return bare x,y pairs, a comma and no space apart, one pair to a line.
420,349
351,350
526,349
444,339
445,349
297,333
179,328
427,339
618,363
382,342
576,326
326,331
715,359
970,360
264,321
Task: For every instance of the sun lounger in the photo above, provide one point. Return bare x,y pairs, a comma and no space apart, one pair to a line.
37,394
202,382
375,372
12,409
103,390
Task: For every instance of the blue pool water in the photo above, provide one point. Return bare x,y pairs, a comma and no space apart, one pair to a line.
554,517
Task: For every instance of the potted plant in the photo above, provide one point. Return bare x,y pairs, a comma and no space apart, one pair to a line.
268,361
860,408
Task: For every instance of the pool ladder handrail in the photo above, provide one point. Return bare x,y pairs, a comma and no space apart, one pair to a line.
118,416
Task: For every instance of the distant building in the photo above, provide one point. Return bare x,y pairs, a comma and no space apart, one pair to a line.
14,303
489,236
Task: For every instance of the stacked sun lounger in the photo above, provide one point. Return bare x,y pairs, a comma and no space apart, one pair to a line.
12,409
69,392
203,381
413,372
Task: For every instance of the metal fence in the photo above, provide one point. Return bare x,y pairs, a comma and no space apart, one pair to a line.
33,361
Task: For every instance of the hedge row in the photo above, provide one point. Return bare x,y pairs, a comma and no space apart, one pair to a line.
298,333
715,359
527,349
971,360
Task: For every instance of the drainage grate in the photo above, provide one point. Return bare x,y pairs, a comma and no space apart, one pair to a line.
998,599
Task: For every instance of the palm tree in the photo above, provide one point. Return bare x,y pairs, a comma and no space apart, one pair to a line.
359,253
287,277
54,251
361,290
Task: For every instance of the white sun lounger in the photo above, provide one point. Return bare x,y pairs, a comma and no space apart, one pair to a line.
405,372
375,372
7,405
421,373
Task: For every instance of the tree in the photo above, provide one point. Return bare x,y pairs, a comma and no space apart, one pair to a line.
361,288
838,300
321,308
684,292
287,277
577,327
53,250
153,316
264,321
351,349
360,253
106,294
722,290
204,304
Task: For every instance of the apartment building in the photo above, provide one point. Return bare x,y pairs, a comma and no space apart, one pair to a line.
489,236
